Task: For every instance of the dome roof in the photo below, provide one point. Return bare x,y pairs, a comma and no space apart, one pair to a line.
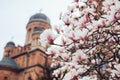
10,44
8,63
38,30
39,17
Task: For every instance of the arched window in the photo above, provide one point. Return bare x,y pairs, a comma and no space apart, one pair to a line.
5,78
29,78
39,29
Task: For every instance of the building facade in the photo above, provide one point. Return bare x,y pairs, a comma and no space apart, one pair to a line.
28,62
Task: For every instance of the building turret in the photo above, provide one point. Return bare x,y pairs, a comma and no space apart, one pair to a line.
37,23
9,48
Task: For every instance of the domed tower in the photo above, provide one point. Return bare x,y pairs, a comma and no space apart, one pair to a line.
8,67
9,48
28,62
36,25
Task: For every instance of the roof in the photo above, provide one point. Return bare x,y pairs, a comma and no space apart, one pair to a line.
10,44
39,17
8,63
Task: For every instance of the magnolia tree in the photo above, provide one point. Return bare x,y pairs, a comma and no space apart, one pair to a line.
86,46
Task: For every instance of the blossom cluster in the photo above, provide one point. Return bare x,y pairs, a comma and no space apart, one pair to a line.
84,45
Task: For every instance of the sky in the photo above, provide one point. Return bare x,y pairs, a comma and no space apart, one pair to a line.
15,14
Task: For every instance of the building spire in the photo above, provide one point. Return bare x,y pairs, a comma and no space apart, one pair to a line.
40,10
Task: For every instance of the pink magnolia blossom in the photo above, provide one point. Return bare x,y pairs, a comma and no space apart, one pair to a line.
67,22
72,36
50,38
47,37
66,19
76,0
57,29
65,57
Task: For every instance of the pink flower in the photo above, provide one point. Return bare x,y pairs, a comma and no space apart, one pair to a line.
47,37
102,24
57,29
80,58
74,77
72,36
67,22
84,38
65,57
50,38
90,1
82,25
87,19
76,0
53,52
63,41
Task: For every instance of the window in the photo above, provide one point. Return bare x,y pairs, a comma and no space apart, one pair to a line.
29,78
5,78
39,29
